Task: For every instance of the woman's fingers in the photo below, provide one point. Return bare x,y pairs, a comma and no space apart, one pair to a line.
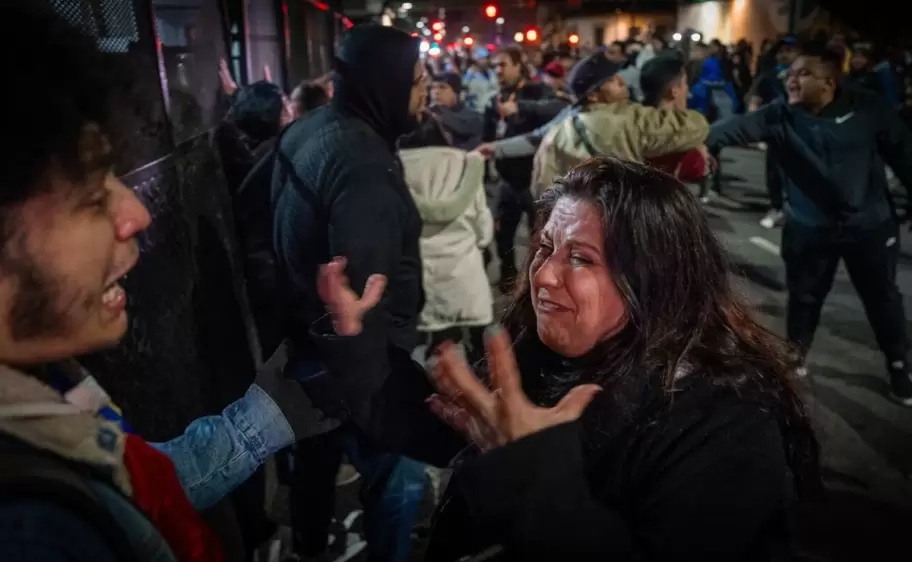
373,292
502,363
573,404
459,380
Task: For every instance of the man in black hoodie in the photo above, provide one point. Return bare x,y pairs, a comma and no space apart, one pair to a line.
338,190
833,143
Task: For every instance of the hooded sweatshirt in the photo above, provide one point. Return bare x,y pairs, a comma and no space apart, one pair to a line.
349,199
448,188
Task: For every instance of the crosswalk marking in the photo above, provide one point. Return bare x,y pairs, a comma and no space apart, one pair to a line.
765,244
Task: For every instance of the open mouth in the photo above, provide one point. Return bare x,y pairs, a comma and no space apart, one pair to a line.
114,296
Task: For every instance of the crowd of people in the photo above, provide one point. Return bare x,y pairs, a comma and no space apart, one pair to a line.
628,405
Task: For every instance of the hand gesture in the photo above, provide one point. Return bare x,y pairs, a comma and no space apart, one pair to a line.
487,150
346,308
496,416
506,108
229,86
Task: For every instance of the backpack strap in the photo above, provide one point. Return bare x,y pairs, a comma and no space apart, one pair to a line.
27,474
583,135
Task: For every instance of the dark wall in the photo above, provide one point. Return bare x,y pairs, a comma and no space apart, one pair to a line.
186,353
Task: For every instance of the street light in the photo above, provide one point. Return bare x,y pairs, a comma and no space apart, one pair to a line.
531,35
573,39
676,36
468,41
465,29
500,21
438,37
695,37
491,11
518,37
437,25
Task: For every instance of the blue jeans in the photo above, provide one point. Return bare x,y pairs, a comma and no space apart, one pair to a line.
392,487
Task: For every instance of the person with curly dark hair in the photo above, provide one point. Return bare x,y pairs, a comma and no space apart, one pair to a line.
76,482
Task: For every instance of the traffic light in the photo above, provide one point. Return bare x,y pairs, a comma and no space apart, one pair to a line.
531,35
491,11
437,25
438,37
573,39
468,41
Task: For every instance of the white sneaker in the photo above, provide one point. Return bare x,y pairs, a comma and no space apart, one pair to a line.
346,475
772,219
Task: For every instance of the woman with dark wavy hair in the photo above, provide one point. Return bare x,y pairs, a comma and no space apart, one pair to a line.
646,416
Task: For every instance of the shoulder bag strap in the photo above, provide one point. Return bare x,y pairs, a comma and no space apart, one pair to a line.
584,136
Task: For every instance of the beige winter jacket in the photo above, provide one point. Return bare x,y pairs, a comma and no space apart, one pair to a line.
447,185
629,131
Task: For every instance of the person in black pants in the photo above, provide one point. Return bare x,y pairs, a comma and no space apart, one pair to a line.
520,107
833,142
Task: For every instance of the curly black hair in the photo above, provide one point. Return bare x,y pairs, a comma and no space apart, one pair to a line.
59,83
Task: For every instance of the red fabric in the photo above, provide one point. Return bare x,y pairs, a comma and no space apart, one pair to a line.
687,166
158,493
555,69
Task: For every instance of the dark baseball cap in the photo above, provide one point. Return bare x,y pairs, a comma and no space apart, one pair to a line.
590,73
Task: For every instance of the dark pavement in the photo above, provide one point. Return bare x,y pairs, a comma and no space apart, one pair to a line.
866,439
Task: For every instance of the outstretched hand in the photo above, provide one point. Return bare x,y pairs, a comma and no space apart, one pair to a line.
346,308
493,417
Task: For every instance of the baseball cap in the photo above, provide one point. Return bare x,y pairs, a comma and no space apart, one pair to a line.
590,73
554,69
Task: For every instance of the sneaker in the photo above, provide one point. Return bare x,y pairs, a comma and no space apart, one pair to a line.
772,219
900,382
346,475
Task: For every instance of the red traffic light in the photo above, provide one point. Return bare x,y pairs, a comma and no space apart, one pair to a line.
437,25
573,39
468,41
491,11
532,35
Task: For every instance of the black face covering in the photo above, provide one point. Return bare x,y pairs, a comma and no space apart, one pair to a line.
373,80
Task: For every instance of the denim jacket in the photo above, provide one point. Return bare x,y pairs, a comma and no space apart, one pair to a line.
217,453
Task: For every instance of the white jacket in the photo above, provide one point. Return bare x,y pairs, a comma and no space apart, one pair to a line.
447,185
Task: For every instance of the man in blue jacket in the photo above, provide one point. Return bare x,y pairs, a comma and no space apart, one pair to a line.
833,143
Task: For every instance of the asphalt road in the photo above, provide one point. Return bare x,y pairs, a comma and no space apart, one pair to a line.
866,439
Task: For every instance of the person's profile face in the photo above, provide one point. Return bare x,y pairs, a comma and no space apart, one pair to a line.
60,291
614,90
508,72
576,302
679,91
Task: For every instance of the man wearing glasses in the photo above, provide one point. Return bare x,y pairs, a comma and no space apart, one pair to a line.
833,142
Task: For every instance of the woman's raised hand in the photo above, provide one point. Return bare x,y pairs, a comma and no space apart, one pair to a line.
346,308
503,413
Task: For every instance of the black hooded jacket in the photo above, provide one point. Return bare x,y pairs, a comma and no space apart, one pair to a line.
349,199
